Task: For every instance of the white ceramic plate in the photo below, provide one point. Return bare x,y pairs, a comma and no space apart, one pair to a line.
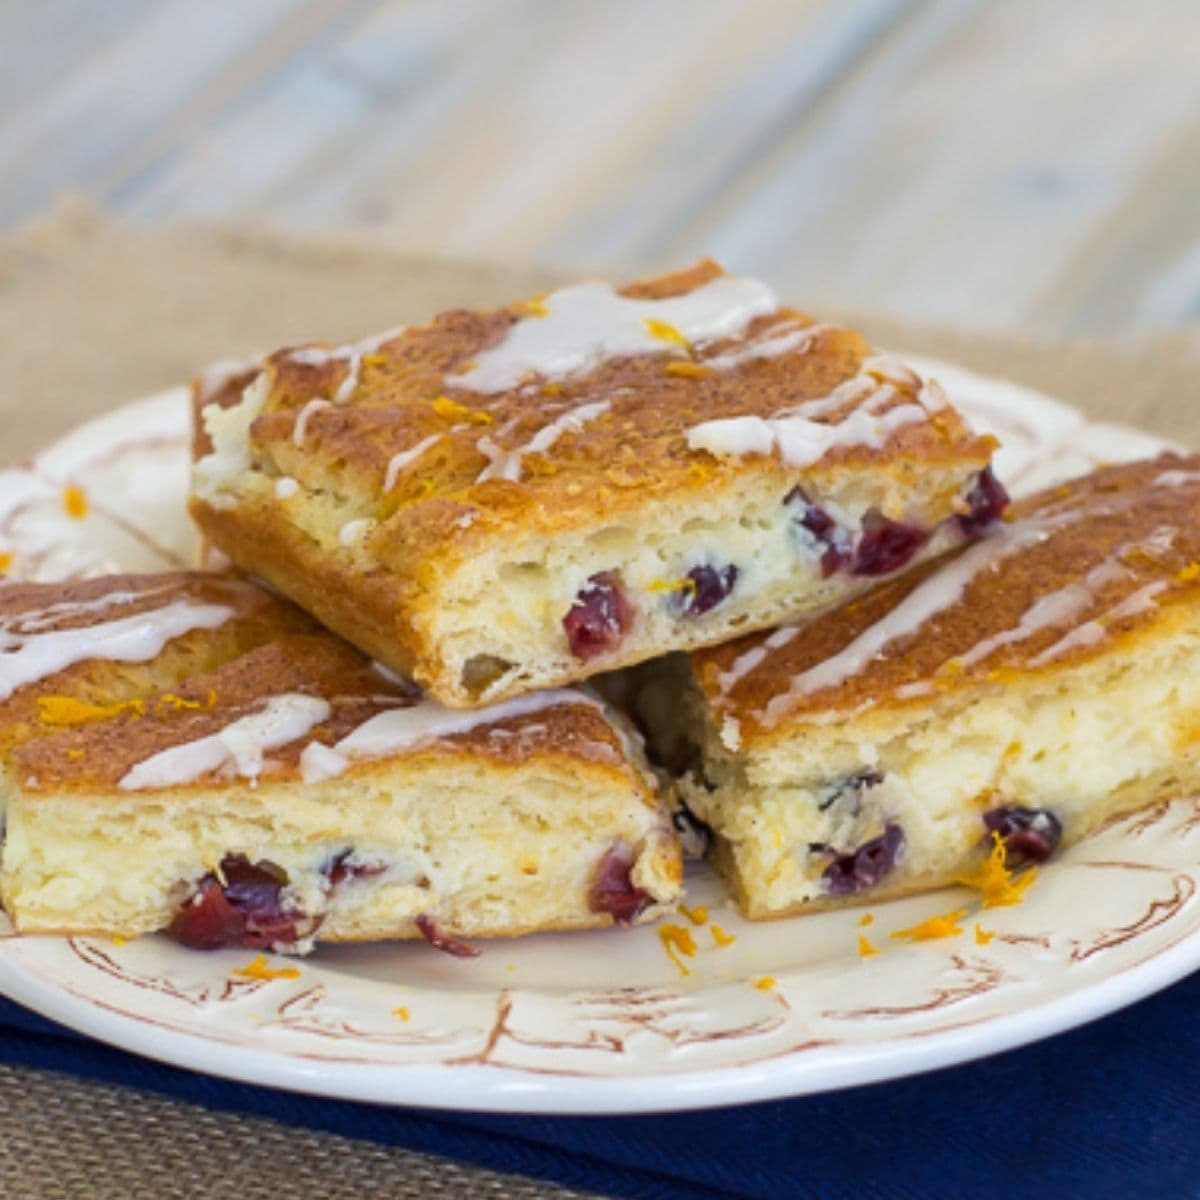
606,1022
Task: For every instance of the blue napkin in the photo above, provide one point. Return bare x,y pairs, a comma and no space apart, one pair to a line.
1110,1110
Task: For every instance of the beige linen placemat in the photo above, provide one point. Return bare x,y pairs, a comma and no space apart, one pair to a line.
92,315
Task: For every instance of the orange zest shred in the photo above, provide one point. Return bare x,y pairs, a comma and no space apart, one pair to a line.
996,884
983,936
697,915
75,502
374,360
687,370
170,702
401,1012
118,941
258,969
535,307
666,332
66,710
720,936
944,926
451,410
865,949
6,562
866,919
672,585
677,940
765,984
1188,573
552,389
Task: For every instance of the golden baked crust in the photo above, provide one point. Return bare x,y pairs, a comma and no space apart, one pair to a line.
1142,518
366,510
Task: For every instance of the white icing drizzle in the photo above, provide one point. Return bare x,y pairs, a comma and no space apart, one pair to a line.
300,429
400,729
285,487
1177,478
851,391
932,596
750,660
352,531
909,691
883,366
386,672
1060,607
398,462
44,618
800,442
932,397
590,323
794,338
1056,609
496,455
1092,633
240,745
352,352
27,656
506,464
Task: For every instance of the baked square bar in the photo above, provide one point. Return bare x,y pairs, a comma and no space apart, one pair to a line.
502,501
1022,690
297,792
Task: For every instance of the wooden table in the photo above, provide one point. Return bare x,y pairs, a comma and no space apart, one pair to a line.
1004,164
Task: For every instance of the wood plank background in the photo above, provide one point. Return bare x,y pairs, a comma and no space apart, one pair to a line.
994,164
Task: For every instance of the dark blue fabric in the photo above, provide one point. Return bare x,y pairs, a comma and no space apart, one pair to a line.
1112,1110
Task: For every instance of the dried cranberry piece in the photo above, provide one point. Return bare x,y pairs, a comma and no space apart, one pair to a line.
432,932
613,890
1029,834
246,910
599,617
865,867
825,530
252,887
207,921
986,500
710,586
885,545
339,869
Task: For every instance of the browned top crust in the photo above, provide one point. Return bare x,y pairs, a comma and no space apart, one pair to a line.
124,719
635,451
81,603
1075,569
43,608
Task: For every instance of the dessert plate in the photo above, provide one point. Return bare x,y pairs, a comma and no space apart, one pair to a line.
716,1012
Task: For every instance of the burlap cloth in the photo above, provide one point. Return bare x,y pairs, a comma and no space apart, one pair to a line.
90,316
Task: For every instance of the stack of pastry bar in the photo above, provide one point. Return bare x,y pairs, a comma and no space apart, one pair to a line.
472,517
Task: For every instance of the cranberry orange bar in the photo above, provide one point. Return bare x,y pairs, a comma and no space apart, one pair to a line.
501,501
187,753
1021,690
